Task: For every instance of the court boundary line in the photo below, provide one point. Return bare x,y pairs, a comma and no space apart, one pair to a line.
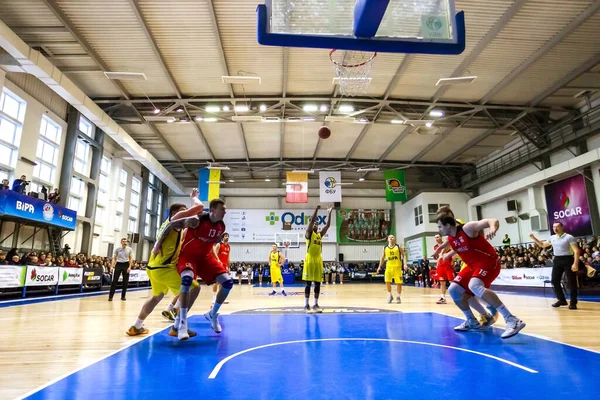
534,335
127,345
221,363
45,299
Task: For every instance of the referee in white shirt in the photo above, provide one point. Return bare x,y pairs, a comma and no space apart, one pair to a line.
122,262
566,260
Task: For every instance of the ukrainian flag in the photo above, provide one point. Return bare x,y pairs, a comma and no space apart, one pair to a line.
209,191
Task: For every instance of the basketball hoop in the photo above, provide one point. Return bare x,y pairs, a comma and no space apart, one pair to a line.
287,244
352,69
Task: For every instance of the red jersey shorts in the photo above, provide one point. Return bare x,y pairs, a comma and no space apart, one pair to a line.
486,270
445,272
207,267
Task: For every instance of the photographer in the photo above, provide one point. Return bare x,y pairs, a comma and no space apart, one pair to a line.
20,185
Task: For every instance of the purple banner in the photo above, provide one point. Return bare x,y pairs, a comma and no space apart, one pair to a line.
567,203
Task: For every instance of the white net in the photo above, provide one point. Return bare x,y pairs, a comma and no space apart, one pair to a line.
352,70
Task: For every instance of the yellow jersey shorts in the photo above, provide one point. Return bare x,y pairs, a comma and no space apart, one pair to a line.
276,274
165,278
395,274
313,269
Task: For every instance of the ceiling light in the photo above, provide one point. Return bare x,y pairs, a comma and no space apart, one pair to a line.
218,167
331,118
241,80
362,121
455,81
231,181
212,109
361,179
242,118
270,119
324,108
156,111
418,122
180,110
158,118
198,118
367,169
310,108
216,182
267,180
429,124
241,108
303,171
346,109
398,121
225,108
436,113
170,120
126,76
309,119
210,120
263,107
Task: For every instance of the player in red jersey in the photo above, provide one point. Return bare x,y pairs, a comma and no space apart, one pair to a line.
444,269
197,258
222,253
483,266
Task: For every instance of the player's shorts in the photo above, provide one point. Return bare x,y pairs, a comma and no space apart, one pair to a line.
487,271
207,267
313,270
165,278
276,276
445,273
393,273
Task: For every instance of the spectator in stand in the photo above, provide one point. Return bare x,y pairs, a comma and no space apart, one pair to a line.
54,198
5,184
32,259
20,185
506,241
3,260
596,263
424,264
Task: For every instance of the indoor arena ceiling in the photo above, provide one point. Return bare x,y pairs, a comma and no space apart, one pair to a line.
536,62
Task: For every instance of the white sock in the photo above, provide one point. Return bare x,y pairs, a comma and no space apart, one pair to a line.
215,309
504,311
177,321
177,304
469,314
138,323
443,295
169,307
306,301
214,298
182,315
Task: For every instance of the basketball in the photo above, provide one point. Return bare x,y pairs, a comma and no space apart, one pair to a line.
324,132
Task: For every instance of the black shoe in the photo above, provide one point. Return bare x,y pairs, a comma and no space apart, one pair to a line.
573,306
559,303
110,299
123,299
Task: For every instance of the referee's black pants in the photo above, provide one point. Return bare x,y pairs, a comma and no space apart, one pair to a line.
426,277
563,264
120,268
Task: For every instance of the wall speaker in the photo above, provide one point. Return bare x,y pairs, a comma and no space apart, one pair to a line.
512,205
341,257
524,216
511,220
337,204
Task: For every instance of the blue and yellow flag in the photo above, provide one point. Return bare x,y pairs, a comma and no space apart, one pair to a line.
209,191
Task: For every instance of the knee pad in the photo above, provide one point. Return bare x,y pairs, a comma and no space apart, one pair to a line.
456,291
187,278
477,287
228,284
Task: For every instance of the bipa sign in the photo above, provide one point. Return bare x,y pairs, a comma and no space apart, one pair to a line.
26,207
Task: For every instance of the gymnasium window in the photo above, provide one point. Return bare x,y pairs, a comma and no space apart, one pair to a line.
160,197
147,224
418,215
121,199
149,198
3,174
118,222
12,115
99,216
432,210
82,155
103,182
134,205
86,127
47,152
77,195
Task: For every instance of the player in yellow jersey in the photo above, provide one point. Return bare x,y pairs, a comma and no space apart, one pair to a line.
395,259
313,262
276,260
487,317
162,270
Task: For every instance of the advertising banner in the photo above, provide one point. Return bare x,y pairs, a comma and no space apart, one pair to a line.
136,275
18,205
395,186
41,276
296,188
70,276
260,226
567,202
415,249
361,226
92,276
330,190
527,277
12,276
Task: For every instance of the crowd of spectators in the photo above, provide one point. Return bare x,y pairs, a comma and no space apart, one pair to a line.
20,186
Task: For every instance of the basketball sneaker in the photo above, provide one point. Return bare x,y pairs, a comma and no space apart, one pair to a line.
214,322
398,301
488,320
513,326
441,301
168,315
308,310
133,331
390,298
316,309
174,332
283,292
470,324
182,332
273,293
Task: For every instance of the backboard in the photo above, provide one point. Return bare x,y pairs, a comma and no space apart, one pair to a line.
389,26
292,239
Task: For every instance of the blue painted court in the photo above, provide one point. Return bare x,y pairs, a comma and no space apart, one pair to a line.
349,356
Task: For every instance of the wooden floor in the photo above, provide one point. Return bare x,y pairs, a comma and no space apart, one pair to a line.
44,341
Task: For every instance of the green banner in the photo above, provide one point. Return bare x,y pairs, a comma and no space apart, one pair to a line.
362,226
395,186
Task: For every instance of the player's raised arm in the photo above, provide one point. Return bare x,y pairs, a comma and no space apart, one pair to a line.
328,223
311,224
472,229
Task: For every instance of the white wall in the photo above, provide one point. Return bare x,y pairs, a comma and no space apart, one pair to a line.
518,232
508,178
